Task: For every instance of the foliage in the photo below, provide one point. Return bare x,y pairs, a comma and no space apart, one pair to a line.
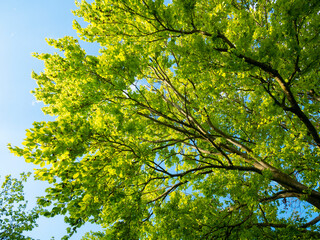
198,119
14,219
94,236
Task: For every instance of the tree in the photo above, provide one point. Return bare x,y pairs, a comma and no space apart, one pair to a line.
14,219
198,119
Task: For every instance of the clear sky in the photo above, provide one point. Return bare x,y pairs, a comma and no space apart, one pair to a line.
24,25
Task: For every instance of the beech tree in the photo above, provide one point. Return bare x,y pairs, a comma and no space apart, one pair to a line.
197,120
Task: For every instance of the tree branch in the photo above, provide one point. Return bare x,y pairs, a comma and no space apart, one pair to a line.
282,194
312,222
166,193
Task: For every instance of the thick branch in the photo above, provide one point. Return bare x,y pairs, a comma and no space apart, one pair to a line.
283,179
312,222
282,194
291,184
285,88
211,166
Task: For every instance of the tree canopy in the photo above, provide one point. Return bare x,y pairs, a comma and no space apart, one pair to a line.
15,217
197,120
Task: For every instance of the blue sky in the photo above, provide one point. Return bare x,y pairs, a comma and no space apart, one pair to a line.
24,25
